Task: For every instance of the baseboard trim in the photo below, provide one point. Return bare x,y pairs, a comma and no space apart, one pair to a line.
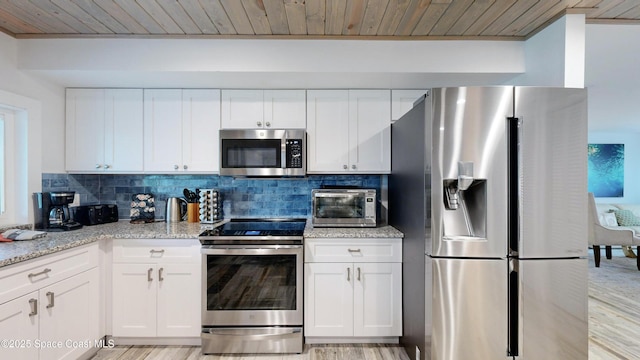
156,341
352,340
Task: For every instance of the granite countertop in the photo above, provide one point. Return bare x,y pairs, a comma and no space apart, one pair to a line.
384,231
17,251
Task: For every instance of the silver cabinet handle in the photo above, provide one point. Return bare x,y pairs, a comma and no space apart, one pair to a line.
358,273
106,166
160,278
154,251
149,278
51,297
348,274
353,167
33,303
267,124
45,271
345,167
185,167
354,250
259,123
176,167
98,166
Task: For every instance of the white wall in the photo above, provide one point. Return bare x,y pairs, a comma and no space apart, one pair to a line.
30,99
555,55
271,63
631,141
49,95
613,77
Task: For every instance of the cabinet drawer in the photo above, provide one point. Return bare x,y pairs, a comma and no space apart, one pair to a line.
17,280
353,250
156,251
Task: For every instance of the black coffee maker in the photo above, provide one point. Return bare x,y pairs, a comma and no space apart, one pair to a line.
52,211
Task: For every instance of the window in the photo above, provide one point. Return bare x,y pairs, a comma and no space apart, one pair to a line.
2,189
7,168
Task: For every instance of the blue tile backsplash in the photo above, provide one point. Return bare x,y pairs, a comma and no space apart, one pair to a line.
241,197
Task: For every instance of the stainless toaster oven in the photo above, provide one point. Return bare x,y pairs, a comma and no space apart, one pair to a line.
344,207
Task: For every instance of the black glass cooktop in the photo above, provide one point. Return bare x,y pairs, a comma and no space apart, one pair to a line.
253,229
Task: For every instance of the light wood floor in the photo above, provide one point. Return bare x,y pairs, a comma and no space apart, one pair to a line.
614,308
614,326
313,352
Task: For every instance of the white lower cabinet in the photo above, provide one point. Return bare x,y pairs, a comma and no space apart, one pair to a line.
358,299
156,288
57,318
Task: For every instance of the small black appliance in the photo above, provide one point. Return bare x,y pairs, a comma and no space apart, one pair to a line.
96,214
51,211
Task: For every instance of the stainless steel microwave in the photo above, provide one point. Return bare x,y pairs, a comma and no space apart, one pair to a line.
344,207
263,152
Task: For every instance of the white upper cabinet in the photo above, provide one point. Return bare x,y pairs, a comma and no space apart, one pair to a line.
200,130
181,130
268,109
349,131
402,101
285,109
104,130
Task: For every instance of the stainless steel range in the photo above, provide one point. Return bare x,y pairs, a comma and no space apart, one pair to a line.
252,286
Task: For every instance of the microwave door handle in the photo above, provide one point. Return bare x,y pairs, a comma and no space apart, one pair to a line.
283,153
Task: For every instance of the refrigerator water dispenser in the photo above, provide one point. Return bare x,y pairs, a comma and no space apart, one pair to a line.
465,206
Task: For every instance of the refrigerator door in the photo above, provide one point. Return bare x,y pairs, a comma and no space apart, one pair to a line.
469,177
553,309
552,172
469,309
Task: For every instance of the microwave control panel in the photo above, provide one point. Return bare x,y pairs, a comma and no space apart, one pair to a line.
294,153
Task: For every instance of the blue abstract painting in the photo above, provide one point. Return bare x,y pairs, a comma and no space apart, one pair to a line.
606,170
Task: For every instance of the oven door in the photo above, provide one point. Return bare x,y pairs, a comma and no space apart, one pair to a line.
252,285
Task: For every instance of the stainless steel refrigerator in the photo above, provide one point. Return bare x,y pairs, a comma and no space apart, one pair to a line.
489,187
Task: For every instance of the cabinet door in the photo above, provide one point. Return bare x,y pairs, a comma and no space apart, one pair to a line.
123,130
162,130
85,118
402,101
377,304
20,327
69,315
328,299
370,131
328,130
179,300
285,109
200,126
242,109
134,300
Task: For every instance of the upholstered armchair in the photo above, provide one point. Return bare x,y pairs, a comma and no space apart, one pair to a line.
603,234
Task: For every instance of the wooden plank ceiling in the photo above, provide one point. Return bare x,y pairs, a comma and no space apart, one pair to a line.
366,19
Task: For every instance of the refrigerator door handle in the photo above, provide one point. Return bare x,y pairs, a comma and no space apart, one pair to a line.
514,125
513,311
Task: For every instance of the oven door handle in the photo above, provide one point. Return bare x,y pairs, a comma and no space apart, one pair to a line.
248,336
249,250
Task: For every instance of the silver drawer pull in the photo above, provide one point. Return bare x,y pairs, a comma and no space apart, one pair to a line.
45,271
153,251
149,278
354,250
51,297
33,303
